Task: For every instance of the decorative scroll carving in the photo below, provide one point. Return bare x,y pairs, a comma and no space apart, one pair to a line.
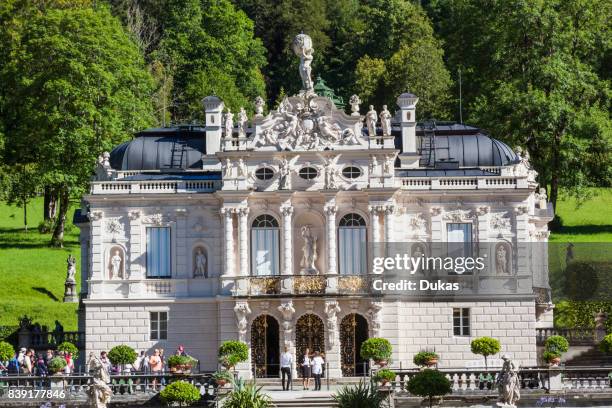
313,285
352,284
375,317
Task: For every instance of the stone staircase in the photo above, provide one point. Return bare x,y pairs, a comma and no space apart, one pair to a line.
305,402
592,357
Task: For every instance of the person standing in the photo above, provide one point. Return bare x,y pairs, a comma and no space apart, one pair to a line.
286,362
156,365
317,370
306,369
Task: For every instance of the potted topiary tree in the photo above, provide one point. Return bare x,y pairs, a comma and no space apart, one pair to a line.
554,346
425,358
485,346
429,383
377,349
181,364
222,377
6,352
68,347
384,376
232,352
56,365
606,344
121,355
181,393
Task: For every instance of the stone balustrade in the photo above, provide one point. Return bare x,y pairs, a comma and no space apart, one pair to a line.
155,187
462,183
575,336
481,381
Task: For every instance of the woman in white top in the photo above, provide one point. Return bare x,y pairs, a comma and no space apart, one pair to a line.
317,369
306,372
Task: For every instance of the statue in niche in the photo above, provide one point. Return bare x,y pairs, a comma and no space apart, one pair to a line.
228,168
501,260
385,121
242,123
242,168
388,164
309,251
229,123
370,120
115,264
508,384
373,165
302,47
200,264
71,269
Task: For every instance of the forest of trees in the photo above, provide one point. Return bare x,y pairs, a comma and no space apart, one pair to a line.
79,76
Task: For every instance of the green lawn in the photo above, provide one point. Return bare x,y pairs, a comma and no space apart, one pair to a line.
591,222
32,273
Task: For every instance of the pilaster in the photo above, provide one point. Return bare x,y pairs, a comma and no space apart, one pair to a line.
243,215
287,212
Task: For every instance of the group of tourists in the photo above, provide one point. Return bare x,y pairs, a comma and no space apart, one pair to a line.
27,362
312,366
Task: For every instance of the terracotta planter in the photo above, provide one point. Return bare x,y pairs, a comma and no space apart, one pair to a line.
221,383
554,361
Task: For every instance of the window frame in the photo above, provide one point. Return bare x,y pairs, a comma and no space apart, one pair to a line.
462,329
310,176
274,226
352,175
267,171
169,255
356,222
155,318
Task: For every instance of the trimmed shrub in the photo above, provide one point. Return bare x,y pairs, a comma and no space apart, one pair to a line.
122,354
429,383
56,364
376,348
174,361
68,347
384,375
556,344
223,375
548,356
232,352
181,393
6,351
361,395
247,396
485,346
422,358
606,344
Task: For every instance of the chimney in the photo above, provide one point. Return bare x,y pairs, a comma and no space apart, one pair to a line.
407,104
213,106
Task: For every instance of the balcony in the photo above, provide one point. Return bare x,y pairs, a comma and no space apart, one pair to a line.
310,285
155,187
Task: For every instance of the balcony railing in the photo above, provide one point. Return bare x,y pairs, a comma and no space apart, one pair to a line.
575,337
462,183
155,187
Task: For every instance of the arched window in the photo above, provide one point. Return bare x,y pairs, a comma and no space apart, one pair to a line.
352,245
265,246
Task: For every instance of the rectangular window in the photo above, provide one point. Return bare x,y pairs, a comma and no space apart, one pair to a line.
352,250
159,326
158,252
265,252
461,321
459,243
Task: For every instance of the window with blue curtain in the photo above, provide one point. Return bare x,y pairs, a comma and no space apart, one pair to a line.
459,244
265,252
158,252
352,245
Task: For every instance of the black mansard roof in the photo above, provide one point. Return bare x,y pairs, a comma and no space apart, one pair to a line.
443,145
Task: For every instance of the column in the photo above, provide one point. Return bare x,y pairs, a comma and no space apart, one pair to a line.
374,211
330,220
389,209
287,272
243,215
227,213
287,212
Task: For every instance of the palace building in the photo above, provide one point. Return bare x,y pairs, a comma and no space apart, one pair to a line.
264,229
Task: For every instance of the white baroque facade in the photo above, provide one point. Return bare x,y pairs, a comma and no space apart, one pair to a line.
263,231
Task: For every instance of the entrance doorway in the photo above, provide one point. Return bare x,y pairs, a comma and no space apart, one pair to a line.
353,332
265,350
309,334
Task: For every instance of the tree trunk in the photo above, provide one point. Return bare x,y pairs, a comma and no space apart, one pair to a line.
58,233
25,214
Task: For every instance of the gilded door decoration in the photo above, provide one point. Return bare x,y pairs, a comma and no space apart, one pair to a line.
258,345
309,334
353,331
